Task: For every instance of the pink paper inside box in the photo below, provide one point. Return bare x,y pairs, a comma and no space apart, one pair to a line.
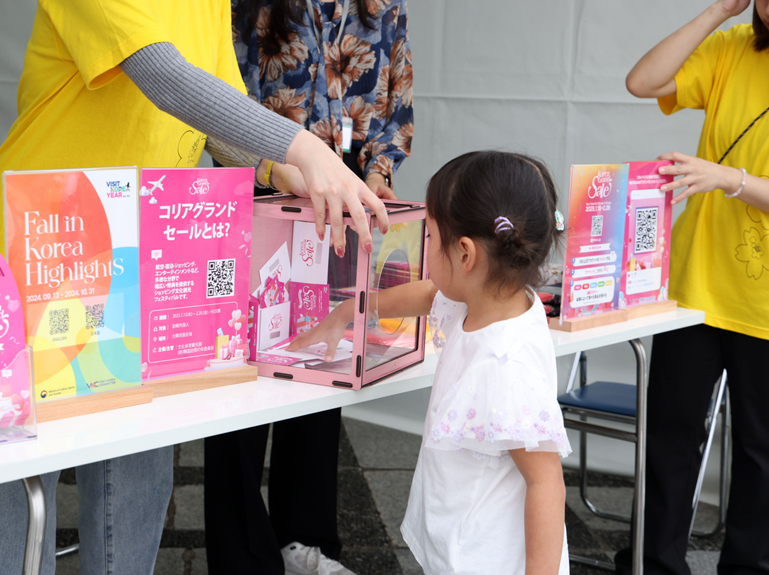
289,297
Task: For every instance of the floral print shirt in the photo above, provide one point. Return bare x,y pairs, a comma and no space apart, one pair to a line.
367,76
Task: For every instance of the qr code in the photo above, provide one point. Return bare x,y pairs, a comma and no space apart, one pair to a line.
220,281
596,231
645,230
59,321
94,316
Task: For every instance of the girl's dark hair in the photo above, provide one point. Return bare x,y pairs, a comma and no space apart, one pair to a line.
283,14
468,194
761,40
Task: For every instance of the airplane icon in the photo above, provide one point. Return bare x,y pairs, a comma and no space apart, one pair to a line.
155,185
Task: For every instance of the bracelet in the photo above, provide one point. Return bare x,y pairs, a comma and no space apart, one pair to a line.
742,185
267,173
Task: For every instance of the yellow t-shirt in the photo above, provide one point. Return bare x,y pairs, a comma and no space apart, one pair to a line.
720,246
76,107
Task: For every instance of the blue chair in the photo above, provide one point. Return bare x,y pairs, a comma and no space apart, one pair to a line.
610,401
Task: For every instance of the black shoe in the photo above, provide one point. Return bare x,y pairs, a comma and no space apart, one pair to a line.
623,561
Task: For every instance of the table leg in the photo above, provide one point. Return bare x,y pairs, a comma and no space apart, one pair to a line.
640,456
33,555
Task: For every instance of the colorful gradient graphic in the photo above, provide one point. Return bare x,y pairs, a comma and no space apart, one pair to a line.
596,223
72,241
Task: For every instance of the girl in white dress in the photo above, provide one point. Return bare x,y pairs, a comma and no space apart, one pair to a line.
488,496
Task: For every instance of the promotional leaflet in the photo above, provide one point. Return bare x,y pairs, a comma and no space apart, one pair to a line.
195,260
72,240
15,399
309,263
646,259
596,221
309,305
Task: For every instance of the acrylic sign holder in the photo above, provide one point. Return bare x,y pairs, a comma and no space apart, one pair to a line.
18,418
377,347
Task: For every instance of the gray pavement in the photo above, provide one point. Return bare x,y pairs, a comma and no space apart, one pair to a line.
375,471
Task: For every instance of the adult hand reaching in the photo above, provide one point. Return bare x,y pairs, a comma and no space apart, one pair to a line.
331,183
700,176
288,180
377,184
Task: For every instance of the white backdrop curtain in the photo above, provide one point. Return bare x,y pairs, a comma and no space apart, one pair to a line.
544,77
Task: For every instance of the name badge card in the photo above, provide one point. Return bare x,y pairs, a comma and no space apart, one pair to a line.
346,134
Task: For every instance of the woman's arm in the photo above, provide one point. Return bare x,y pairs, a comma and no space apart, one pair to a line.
654,74
702,176
544,514
215,108
407,300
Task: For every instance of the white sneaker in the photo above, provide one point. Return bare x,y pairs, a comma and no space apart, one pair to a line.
302,560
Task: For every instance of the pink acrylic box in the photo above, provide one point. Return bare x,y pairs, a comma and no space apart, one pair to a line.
373,347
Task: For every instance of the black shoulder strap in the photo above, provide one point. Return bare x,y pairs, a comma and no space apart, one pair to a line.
745,131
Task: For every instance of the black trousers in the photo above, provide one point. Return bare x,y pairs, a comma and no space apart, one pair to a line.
241,537
684,368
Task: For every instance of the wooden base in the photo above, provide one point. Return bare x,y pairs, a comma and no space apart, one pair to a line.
85,404
202,380
617,316
651,308
589,321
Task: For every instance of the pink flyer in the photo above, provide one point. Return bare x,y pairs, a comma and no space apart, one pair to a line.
194,256
15,406
309,305
648,221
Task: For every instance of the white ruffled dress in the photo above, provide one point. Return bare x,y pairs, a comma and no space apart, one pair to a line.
494,390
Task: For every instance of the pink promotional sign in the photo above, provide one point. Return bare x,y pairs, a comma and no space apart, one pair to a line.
15,398
194,257
646,259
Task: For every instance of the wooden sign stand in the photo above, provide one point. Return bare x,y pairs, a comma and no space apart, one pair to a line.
144,393
611,317
203,380
86,404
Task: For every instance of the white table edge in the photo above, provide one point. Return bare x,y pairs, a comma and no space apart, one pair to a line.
26,459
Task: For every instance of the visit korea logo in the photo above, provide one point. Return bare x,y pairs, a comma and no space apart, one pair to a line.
117,189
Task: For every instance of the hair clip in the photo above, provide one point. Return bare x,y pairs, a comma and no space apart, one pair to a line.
558,221
502,224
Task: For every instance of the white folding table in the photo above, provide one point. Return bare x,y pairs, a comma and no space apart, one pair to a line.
186,417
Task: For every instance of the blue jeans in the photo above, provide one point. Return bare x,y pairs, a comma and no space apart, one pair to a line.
122,509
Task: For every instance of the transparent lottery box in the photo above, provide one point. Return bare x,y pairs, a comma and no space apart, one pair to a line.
297,280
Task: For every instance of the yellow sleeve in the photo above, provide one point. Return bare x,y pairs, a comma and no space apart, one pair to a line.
227,66
97,35
695,78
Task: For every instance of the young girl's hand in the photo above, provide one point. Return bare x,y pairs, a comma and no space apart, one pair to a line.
700,176
329,331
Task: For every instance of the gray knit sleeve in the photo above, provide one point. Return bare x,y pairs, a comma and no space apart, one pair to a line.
208,104
232,157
